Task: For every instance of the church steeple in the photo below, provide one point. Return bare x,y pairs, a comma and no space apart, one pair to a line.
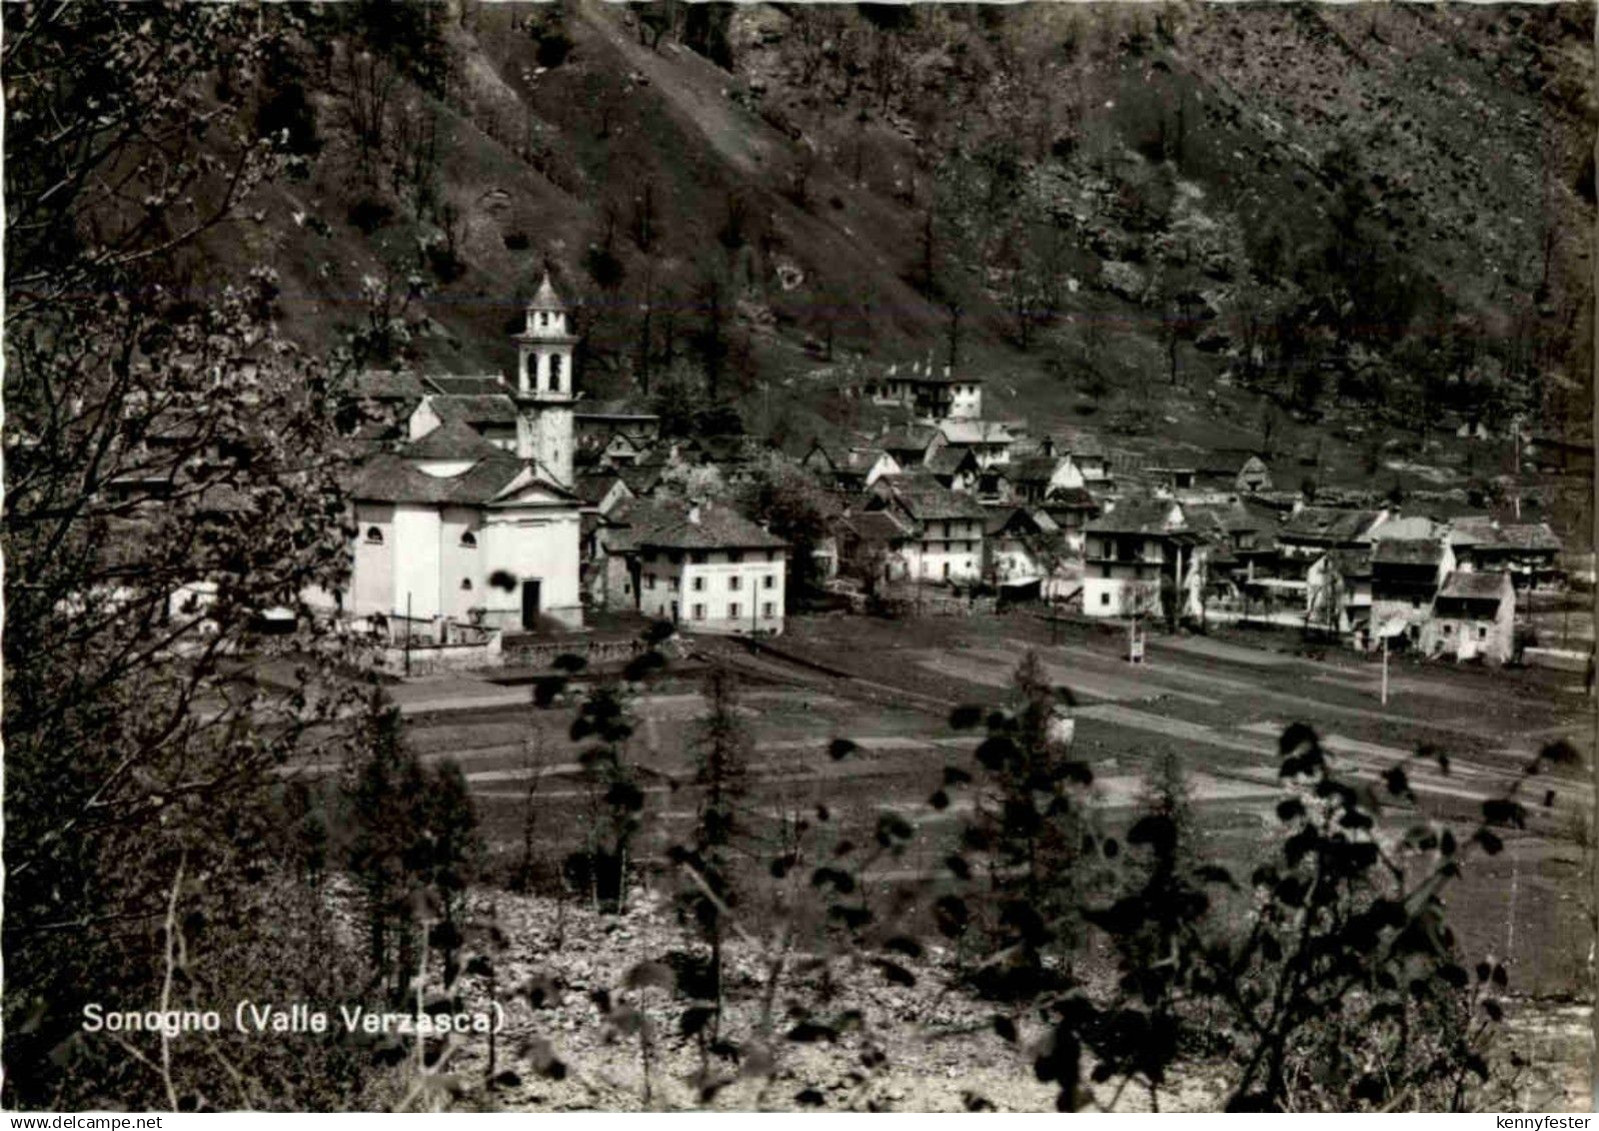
546,384
544,348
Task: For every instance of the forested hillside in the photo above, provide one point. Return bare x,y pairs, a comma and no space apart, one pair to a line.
1100,209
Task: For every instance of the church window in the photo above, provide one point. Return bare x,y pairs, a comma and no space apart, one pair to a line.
466,583
555,373
544,318
374,536
468,540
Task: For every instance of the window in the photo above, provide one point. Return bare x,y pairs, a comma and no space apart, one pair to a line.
466,584
675,556
649,581
374,536
1449,630
768,582
732,610
734,582
555,373
544,318
771,555
468,540
649,555
699,612
697,557
671,583
768,610
946,571
1482,634
735,555
699,585
1104,598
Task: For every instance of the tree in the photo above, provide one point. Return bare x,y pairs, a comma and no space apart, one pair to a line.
779,494
721,746
615,799
173,470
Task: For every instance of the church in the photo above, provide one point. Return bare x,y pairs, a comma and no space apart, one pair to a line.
472,517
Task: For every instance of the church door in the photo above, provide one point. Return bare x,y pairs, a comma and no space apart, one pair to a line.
530,605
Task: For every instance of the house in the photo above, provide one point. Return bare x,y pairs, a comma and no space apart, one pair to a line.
955,468
912,445
990,441
848,470
1529,552
1092,463
602,492
1406,574
473,519
1072,509
1253,477
705,567
596,422
993,487
930,395
611,449
1474,616
1310,531
1024,550
1171,480
1338,593
874,542
1129,552
377,404
946,539
1035,478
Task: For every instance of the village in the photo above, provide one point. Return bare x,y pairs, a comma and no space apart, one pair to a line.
489,511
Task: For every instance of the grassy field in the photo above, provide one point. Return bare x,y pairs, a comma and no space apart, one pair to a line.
1219,705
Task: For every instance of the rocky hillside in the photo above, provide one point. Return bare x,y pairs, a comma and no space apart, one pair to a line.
1124,217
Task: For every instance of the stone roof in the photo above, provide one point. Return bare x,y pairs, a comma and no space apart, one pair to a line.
878,526
948,461
454,439
1138,516
1408,551
1483,531
391,478
976,432
483,408
1464,585
1351,563
909,437
1329,524
592,489
449,384
684,526
615,407
1073,498
925,499
387,385
1034,469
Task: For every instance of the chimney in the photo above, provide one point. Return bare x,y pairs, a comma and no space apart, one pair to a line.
694,513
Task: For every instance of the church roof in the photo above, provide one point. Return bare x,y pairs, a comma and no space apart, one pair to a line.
454,439
487,384
546,298
391,478
475,408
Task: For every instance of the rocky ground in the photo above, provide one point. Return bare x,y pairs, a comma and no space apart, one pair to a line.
928,1047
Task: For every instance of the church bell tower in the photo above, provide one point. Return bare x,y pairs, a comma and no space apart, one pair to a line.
545,385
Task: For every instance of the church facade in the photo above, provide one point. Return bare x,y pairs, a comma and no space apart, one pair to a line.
473,518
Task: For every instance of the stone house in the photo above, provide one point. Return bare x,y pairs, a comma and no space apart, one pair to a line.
1473,616
1130,552
705,567
946,540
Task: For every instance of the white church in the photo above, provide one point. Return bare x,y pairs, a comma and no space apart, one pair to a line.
473,519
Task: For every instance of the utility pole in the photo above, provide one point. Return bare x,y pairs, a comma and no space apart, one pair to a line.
1385,671
408,633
